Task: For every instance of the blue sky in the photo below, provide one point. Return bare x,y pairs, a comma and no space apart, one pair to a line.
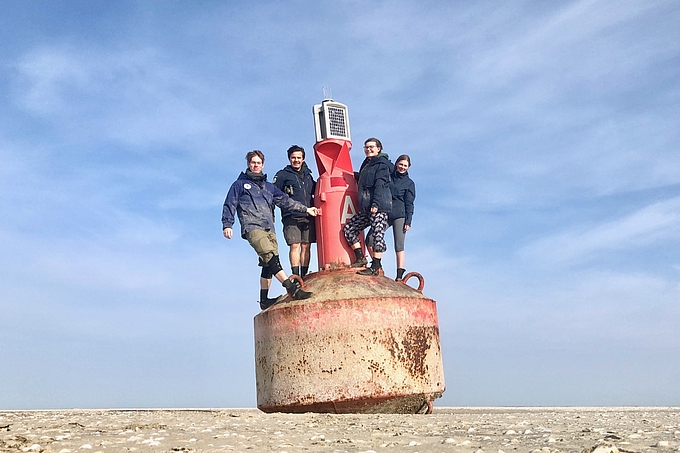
544,138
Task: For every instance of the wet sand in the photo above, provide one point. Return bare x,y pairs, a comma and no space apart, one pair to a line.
455,429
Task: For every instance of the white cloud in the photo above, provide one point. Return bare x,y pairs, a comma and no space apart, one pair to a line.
136,97
655,223
109,204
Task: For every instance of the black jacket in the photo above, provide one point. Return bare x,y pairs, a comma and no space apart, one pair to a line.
403,195
299,185
373,182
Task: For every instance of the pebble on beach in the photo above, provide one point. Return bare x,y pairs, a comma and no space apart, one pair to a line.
473,430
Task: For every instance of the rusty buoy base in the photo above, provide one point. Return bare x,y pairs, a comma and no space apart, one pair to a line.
405,404
360,344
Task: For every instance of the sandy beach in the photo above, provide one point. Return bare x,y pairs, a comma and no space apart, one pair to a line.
459,429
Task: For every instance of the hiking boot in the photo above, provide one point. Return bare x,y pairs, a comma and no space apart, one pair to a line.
266,303
360,262
299,294
295,290
371,271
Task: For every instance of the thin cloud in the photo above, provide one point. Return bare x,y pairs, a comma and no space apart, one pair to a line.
655,223
134,97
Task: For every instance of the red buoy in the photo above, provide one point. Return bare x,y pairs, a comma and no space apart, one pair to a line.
360,344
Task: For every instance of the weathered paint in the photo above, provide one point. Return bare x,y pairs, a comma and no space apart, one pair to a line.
359,344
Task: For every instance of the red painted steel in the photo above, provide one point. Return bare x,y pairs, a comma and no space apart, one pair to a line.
360,343
337,197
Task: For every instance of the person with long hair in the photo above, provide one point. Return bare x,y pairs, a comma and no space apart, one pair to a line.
403,195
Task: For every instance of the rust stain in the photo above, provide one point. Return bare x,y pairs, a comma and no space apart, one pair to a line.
357,346
331,370
413,348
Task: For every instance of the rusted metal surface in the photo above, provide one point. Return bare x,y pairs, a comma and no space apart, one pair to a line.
359,344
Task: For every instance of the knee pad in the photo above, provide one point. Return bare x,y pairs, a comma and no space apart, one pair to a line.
266,273
274,265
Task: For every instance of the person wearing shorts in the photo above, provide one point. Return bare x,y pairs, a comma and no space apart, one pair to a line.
299,231
252,199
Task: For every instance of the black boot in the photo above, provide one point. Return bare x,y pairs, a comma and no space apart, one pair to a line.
375,268
265,301
304,270
295,291
296,270
400,274
360,260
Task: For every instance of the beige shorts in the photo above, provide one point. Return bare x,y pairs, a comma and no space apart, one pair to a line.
264,243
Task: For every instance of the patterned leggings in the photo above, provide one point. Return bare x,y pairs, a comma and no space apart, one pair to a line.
361,220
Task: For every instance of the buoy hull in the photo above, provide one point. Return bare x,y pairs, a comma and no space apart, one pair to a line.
359,345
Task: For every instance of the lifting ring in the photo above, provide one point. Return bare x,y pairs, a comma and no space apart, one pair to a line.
426,408
421,280
298,279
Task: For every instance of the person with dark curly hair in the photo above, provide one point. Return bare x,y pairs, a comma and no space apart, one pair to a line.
299,231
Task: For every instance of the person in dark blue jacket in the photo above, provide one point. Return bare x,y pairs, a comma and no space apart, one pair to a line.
375,204
299,231
403,196
252,198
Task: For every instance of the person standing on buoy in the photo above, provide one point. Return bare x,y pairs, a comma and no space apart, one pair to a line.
299,231
375,204
403,196
252,199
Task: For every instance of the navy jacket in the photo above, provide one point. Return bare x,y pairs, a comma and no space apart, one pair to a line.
299,185
253,202
373,182
403,195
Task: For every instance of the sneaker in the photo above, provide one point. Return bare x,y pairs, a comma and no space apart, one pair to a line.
370,271
359,263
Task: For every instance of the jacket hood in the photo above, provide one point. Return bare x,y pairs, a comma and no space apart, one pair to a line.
383,155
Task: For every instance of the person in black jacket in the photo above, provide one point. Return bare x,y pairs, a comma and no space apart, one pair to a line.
375,203
403,196
296,181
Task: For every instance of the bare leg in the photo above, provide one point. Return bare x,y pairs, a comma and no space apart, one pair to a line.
265,283
401,259
304,254
294,255
281,276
